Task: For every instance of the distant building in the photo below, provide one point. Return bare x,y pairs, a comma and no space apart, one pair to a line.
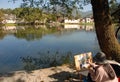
87,20
82,20
77,21
9,18
72,21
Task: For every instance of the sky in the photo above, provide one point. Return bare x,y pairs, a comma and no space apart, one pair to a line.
6,4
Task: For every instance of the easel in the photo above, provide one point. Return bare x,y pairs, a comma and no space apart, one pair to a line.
81,59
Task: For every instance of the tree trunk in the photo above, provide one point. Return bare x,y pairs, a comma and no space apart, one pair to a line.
105,30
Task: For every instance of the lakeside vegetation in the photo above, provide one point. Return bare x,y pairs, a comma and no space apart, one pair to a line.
48,59
34,15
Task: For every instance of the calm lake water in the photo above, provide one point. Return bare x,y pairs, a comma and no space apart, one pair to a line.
39,41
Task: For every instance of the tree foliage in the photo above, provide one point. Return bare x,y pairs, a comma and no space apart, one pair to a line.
28,14
34,14
64,7
1,16
6,11
115,11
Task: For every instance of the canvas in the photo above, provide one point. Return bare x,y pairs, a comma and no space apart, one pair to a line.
81,60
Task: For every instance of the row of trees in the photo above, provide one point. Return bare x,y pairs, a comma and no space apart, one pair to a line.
2,12
28,14
1,15
35,14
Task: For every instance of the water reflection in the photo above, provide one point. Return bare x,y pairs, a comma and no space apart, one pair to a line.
36,32
28,41
8,28
81,27
45,60
89,27
15,29
70,26
27,32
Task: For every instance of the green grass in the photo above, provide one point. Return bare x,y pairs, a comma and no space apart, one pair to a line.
10,24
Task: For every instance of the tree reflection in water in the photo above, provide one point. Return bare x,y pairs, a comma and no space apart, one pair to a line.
45,60
33,33
28,33
2,34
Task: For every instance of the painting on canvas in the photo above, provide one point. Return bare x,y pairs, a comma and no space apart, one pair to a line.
81,60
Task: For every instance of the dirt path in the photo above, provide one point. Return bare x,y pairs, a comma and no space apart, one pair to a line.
53,74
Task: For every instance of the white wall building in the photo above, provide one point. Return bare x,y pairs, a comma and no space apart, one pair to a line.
89,20
72,21
82,20
9,18
8,21
77,21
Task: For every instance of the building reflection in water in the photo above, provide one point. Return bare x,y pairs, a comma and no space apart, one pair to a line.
16,28
79,27
12,29
67,26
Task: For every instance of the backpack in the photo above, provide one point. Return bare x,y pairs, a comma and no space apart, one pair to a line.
110,71
116,69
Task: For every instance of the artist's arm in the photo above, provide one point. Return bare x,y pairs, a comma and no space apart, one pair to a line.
94,72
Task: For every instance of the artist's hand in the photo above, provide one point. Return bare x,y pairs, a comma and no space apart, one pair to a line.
92,64
92,67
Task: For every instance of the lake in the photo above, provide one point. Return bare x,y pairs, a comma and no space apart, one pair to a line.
18,43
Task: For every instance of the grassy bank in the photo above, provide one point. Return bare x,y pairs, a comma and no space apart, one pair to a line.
10,24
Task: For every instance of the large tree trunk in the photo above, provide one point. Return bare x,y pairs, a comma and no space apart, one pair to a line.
105,30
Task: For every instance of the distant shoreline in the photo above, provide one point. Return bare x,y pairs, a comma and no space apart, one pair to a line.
21,24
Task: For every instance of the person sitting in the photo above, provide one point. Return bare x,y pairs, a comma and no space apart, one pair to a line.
100,70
